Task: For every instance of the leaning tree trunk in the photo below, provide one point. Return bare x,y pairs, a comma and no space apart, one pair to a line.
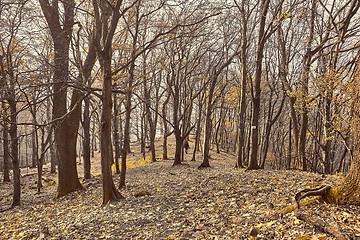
348,191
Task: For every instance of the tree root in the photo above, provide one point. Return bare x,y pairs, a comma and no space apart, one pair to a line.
322,192
204,165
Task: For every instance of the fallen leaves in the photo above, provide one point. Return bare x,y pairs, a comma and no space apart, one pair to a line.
185,203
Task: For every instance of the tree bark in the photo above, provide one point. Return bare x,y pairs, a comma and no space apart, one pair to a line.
14,145
253,164
116,136
208,125
86,139
305,89
66,129
349,190
198,128
33,138
151,121
126,145
6,155
166,128
283,73
110,193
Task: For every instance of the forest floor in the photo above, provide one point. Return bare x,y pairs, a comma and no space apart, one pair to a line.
184,203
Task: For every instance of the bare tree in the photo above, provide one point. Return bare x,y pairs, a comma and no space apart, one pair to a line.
106,20
60,23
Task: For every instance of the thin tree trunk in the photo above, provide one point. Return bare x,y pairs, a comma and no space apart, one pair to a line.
6,155
150,120
53,155
242,111
305,90
219,126
14,146
283,72
110,193
177,130
116,134
327,136
198,130
289,156
208,125
126,144
253,163
86,139
54,159
33,139
166,128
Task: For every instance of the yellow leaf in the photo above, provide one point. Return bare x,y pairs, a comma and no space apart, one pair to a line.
297,221
51,182
269,224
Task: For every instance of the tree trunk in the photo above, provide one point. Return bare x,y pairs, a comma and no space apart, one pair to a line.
257,88
349,190
14,146
305,89
54,159
219,126
242,100
65,139
66,129
110,193
116,134
198,129
177,130
242,112
283,73
6,155
33,139
53,155
178,146
326,151
208,125
150,120
126,144
86,139
288,160
166,128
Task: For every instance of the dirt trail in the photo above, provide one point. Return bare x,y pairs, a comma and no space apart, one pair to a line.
184,203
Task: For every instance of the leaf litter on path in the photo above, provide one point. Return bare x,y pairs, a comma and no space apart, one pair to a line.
182,203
